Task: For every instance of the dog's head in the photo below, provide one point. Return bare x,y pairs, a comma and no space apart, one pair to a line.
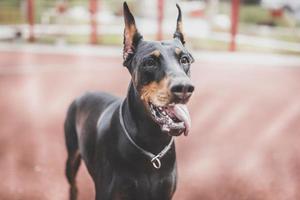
160,73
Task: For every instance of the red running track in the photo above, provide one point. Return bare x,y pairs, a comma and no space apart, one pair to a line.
244,143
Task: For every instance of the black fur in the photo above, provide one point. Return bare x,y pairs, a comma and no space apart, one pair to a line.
93,131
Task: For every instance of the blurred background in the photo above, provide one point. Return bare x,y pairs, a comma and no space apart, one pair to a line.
244,143
263,25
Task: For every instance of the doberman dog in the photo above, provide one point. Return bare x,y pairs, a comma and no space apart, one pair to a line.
128,145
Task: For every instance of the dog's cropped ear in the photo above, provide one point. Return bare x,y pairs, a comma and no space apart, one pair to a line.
131,35
178,33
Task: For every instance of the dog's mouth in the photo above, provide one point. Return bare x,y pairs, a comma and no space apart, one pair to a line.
173,119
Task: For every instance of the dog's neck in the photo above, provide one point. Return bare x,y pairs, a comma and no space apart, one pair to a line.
143,130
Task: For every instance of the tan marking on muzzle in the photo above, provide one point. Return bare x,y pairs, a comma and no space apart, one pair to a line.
157,93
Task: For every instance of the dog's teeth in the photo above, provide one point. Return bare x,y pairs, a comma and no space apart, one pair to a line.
160,108
164,113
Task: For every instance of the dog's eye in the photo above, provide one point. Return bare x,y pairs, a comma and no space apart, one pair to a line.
150,62
184,60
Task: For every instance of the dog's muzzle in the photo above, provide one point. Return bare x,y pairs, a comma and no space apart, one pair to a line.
174,119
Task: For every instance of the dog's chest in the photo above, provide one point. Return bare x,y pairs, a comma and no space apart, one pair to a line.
148,187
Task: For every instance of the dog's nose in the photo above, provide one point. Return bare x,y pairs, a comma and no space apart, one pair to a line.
182,91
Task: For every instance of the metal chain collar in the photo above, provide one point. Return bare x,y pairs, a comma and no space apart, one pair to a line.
154,159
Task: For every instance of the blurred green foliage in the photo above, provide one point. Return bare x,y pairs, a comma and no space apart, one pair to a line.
255,14
12,3
250,2
10,12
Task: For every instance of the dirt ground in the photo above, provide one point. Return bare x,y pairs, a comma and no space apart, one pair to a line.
244,143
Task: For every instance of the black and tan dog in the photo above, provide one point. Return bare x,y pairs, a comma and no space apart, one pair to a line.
128,145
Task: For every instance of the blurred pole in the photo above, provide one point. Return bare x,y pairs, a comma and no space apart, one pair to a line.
93,11
235,5
30,18
160,16
61,8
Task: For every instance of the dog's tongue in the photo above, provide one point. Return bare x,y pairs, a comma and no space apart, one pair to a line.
182,113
